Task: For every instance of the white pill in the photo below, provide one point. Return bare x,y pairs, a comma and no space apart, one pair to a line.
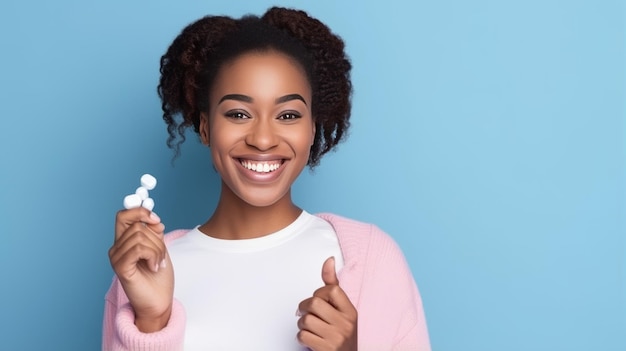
148,181
142,192
148,204
132,201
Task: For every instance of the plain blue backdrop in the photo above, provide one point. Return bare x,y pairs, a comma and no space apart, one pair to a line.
488,139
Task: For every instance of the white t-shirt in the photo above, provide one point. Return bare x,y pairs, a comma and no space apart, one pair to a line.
243,294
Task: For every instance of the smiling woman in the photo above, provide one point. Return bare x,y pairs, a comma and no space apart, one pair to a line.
268,96
258,120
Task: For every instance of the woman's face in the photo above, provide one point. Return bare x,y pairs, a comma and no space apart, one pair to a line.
259,126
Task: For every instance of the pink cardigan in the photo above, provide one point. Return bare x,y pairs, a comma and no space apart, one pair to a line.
375,277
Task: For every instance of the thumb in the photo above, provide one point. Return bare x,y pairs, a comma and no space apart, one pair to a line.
329,276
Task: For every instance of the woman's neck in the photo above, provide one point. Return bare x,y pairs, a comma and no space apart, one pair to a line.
235,219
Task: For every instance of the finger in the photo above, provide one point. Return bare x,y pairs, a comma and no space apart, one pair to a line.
128,258
319,307
313,324
138,235
329,276
158,229
139,256
337,298
126,218
136,229
310,340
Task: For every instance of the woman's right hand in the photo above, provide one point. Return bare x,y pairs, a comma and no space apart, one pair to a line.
140,261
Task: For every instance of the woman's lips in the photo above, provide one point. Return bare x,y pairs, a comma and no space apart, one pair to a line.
262,171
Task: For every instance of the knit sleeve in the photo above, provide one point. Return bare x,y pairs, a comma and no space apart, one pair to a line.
391,308
119,332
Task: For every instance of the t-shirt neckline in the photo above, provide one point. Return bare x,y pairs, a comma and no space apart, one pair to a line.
256,244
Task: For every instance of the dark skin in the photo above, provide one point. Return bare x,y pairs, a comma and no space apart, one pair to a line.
260,114
140,261
328,319
250,219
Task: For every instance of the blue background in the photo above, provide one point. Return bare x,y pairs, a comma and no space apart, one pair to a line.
488,139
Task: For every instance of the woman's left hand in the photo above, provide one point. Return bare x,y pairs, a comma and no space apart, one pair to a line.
328,319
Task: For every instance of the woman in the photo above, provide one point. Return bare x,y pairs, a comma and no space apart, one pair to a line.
268,96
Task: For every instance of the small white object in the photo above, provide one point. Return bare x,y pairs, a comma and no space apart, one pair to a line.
148,181
141,197
142,192
148,204
132,201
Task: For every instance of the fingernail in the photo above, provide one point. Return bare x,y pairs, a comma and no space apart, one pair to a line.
298,313
154,216
163,264
156,268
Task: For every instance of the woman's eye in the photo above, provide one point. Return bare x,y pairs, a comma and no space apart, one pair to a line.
236,115
289,116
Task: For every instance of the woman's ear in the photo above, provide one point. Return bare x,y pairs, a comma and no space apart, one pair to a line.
204,129
313,135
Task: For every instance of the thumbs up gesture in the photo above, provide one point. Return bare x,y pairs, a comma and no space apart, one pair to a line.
328,320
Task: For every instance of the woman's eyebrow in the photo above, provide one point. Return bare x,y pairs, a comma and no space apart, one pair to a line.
237,97
246,98
290,97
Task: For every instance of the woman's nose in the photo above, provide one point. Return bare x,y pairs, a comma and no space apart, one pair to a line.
262,135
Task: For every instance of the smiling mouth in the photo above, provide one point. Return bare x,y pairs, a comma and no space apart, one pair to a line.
261,166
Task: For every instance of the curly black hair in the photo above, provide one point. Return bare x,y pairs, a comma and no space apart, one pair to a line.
194,58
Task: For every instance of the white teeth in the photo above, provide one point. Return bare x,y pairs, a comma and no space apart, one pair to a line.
261,167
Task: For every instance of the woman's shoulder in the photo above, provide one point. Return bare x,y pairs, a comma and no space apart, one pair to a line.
353,232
